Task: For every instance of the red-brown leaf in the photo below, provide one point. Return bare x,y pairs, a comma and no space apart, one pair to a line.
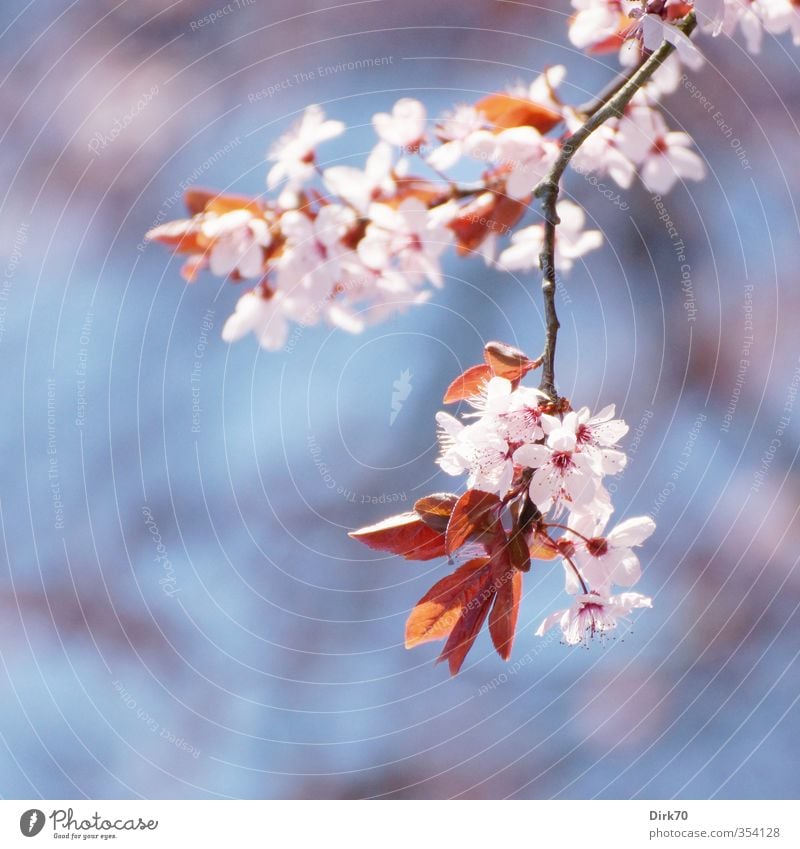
505,612
405,534
419,188
506,111
467,628
203,200
437,612
182,236
475,513
487,214
435,509
517,551
468,384
506,361
508,212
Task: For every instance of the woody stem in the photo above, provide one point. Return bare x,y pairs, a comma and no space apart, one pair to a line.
617,98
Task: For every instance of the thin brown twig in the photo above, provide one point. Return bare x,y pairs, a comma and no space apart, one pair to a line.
590,107
548,189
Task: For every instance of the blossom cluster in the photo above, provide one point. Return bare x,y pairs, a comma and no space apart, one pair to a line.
535,471
512,446
625,25
351,245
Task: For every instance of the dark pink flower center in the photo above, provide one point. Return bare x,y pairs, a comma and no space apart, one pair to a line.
414,242
562,460
597,547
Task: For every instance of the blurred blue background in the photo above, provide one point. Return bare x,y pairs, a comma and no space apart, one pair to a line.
258,651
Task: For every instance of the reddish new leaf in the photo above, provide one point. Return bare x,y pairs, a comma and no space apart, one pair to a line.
488,214
468,384
475,513
419,188
517,551
405,534
203,200
462,637
505,612
508,362
437,612
181,236
506,111
435,509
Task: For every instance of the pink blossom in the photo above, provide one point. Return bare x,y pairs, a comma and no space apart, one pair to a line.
600,152
723,17
597,20
310,265
455,130
411,236
543,89
596,436
515,413
361,188
237,239
572,241
592,614
663,157
404,126
476,449
260,313
366,296
607,559
655,31
294,154
521,154
563,476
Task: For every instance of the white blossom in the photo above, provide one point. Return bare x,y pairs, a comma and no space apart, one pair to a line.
455,130
409,236
404,126
572,241
655,31
237,240
477,450
564,477
606,559
522,154
592,614
361,188
663,157
259,314
294,154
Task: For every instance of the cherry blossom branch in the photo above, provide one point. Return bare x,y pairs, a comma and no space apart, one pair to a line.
548,189
599,101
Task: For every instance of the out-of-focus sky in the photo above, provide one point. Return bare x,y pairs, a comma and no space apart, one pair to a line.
261,656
